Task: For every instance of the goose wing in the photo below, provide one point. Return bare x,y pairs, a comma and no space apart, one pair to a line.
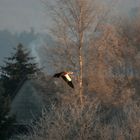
57,75
70,84
68,81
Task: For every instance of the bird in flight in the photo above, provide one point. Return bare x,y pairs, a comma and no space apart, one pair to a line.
66,77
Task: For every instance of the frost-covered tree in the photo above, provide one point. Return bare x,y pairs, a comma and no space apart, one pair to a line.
75,22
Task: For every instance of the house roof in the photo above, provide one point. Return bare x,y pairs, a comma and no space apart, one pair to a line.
27,104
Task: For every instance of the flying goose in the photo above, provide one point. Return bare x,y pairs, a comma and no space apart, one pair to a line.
66,77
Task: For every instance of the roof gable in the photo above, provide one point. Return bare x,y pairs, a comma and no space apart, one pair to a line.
27,105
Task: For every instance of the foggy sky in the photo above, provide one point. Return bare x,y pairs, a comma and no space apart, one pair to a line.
19,15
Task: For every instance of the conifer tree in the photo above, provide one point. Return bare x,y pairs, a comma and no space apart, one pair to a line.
17,68
6,121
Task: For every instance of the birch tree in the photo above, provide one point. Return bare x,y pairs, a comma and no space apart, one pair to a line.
74,23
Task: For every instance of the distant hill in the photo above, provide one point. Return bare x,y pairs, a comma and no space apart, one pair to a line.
30,40
134,12
10,40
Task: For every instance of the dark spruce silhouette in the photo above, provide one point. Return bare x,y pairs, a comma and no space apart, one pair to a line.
66,77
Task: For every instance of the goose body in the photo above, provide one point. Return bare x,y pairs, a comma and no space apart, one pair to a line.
66,77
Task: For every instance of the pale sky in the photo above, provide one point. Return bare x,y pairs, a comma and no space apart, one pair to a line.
19,15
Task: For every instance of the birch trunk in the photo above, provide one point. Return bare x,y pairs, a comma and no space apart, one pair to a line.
81,72
81,35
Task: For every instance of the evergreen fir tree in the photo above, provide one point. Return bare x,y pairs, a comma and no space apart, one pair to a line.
17,68
6,121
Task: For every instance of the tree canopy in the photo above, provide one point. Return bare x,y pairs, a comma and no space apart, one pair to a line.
17,68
